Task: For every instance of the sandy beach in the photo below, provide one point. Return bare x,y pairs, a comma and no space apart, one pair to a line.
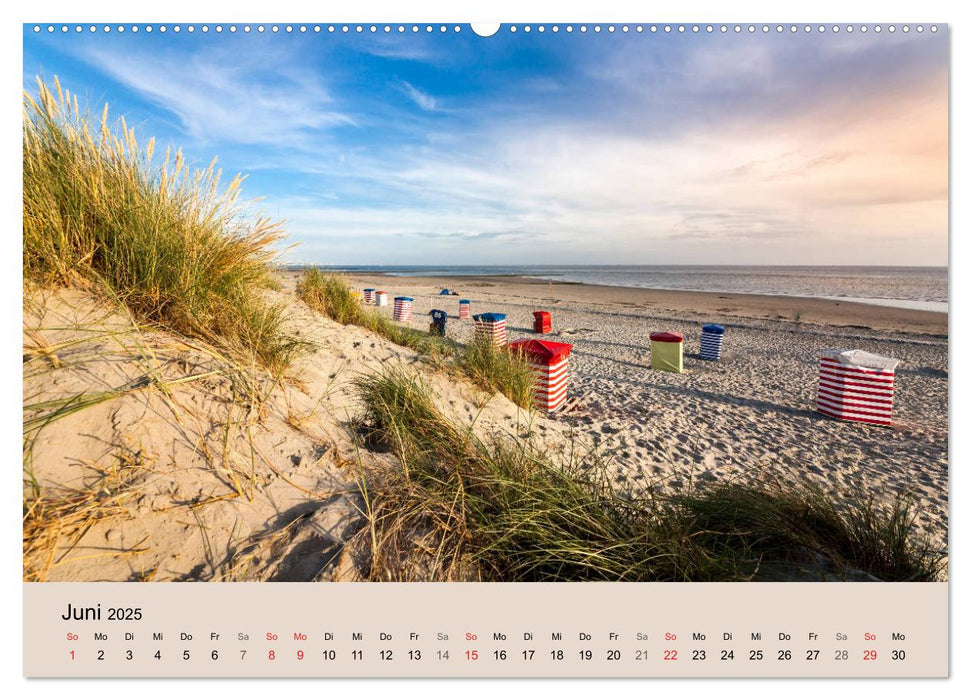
748,417
180,480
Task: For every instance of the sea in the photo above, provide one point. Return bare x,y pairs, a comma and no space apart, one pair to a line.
901,287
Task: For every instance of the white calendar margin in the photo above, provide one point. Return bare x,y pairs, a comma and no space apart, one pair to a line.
830,11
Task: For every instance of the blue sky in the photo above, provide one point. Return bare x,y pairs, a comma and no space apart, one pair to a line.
569,148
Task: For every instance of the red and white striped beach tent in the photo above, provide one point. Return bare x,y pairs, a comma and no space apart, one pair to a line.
403,309
491,326
856,385
548,360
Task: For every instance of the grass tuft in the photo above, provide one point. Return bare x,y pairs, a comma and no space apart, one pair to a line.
166,240
461,508
491,368
498,369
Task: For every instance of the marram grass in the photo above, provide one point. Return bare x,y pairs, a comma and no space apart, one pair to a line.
166,240
458,507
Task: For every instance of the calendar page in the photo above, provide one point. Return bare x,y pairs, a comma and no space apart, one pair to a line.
458,350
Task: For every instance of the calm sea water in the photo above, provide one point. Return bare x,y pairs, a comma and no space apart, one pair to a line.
902,287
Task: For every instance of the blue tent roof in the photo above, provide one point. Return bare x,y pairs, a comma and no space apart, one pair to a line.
490,317
714,328
403,299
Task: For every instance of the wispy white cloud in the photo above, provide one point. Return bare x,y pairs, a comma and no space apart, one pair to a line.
422,99
258,99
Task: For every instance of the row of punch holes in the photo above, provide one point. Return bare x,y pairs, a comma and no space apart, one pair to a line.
512,28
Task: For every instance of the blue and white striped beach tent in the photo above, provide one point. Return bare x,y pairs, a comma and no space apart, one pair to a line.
711,341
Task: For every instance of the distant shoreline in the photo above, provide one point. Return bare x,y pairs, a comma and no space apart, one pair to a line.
718,307
934,307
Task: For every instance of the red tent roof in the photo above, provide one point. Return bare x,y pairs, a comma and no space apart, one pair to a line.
667,337
543,350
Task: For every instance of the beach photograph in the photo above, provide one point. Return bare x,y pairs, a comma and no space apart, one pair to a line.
417,303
